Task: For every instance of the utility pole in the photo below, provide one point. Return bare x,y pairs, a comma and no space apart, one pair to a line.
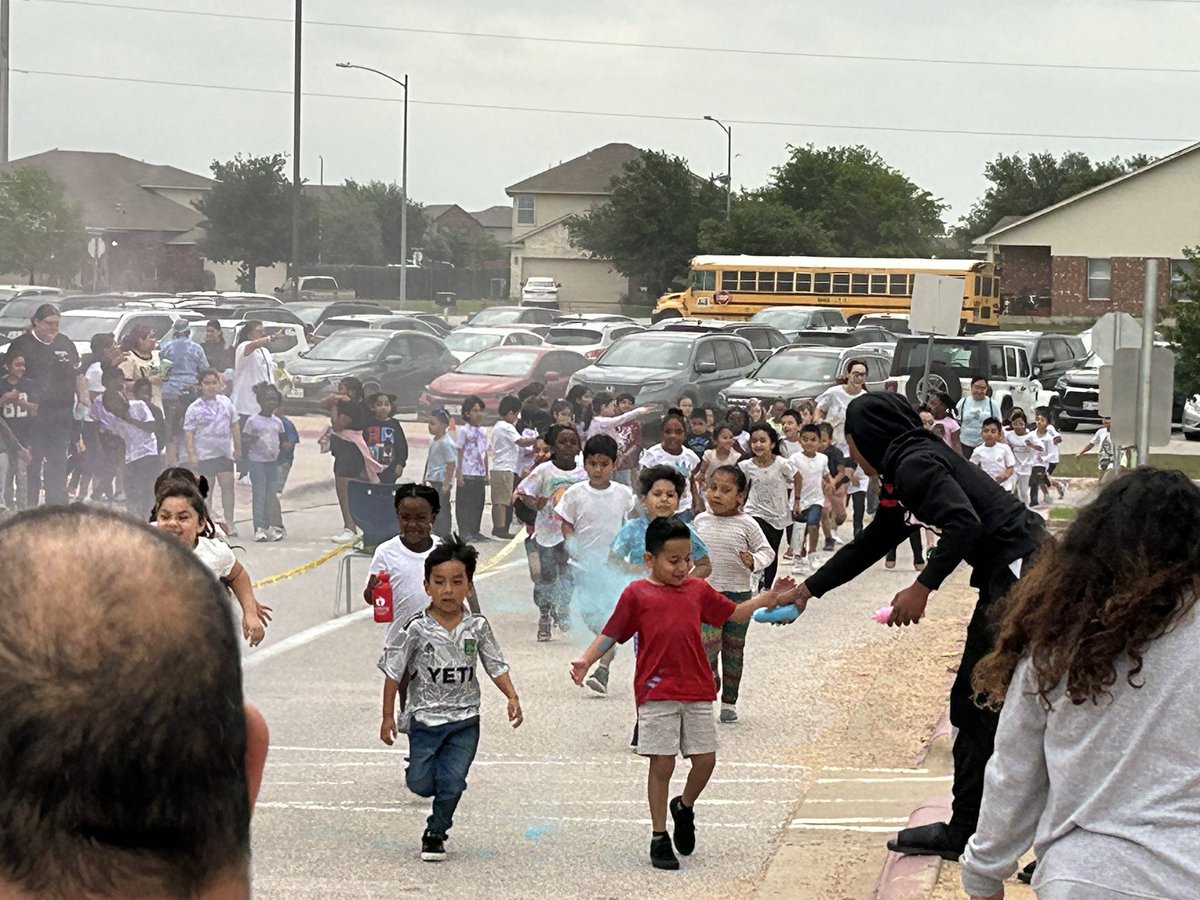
296,187
1149,321
728,163
4,81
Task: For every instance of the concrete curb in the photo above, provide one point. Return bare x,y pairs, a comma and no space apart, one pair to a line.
914,877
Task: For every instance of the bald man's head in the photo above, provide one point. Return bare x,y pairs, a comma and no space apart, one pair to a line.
122,728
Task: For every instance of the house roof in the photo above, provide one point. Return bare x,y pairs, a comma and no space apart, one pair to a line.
434,211
117,193
494,217
1004,225
591,173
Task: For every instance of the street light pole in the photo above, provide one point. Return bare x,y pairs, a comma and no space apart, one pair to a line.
296,190
4,81
403,176
728,162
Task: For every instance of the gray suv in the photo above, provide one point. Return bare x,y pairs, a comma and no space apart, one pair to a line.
662,366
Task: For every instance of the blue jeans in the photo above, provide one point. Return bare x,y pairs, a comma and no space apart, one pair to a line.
439,758
262,487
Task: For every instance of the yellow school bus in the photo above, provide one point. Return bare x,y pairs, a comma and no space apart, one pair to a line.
737,287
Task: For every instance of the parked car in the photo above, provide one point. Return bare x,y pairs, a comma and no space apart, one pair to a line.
288,340
661,366
80,324
540,291
592,319
229,299
18,291
436,322
590,339
17,313
896,323
386,321
500,371
512,315
800,373
116,300
956,360
1079,392
313,313
467,341
1191,418
1052,355
397,362
794,318
842,337
276,313
764,339
314,287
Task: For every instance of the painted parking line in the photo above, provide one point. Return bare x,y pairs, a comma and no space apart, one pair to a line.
884,780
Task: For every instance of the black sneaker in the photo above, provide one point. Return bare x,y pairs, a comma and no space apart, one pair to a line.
563,623
433,846
936,839
543,632
685,826
599,680
1025,876
661,854
830,544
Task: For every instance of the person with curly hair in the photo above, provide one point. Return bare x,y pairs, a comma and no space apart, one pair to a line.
1097,760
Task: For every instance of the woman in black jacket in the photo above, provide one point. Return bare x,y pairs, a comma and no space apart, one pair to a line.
925,483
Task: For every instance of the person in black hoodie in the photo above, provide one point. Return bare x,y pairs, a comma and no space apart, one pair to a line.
924,482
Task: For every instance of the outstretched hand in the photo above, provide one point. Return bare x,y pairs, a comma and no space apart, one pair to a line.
908,606
579,670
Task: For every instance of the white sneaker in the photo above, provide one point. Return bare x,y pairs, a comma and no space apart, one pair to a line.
260,535
245,479
276,534
345,536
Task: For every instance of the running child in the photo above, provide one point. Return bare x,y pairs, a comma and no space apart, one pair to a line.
385,437
671,452
562,413
606,419
840,474
811,468
214,440
506,444
722,453
673,684
629,442
541,490
352,459
1025,448
471,472
789,446
441,462
995,456
739,551
659,490
592,512
283,468
699,438
1046,461
770,475
1105,453
736,419
430,662
261,436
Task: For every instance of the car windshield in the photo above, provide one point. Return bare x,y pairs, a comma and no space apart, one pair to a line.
350,345
828,338
81,328
648,353
501,362
23,307
799,367
574,337
332,326
957,355
468,342
497,317
308,312
783,318
199,332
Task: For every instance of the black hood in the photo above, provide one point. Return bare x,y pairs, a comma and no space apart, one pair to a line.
875,421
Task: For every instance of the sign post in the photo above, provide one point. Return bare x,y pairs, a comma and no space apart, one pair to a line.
937,310
95,250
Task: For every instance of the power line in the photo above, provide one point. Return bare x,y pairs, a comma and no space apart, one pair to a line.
746,51
607,113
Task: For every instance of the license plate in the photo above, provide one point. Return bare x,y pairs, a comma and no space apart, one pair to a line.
1091,404
294,393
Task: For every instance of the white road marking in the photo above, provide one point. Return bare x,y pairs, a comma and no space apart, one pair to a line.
883,780
857,769
870,829
853,820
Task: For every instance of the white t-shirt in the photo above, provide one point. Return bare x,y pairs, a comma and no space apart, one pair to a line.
1050,454
684,463
790,448
247,372
596,516
832,405
994,460
768,495
216,555
811,469
1024,454
406,572
505,452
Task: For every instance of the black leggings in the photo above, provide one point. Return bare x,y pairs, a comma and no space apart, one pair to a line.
914,541
773,536
860,508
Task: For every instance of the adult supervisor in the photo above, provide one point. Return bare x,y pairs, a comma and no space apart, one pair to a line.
129,763
924,482
51,361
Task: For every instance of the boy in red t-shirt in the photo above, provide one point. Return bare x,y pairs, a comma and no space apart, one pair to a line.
673,684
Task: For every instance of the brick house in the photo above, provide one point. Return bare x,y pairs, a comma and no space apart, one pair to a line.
540,242
1086,256
447,217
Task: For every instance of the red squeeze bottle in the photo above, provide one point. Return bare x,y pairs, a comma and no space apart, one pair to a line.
381,596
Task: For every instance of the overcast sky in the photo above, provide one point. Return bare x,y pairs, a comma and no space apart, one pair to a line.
469,155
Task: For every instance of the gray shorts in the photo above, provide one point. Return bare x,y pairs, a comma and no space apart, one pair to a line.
670,728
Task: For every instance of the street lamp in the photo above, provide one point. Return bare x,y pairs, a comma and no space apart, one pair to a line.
403,176
728,162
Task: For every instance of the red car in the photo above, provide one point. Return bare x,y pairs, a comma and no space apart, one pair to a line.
495,373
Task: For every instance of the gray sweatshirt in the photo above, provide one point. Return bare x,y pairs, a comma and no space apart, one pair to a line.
1108,794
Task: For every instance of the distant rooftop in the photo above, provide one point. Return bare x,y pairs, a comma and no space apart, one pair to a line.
591,173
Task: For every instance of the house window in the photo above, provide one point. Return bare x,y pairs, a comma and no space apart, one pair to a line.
1181,270
525,214
1099,279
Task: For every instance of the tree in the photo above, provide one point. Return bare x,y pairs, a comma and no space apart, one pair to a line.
866,207
464,249
1023,185
350,232
1185,333
40,232
650,226
248,215
761,226
387,201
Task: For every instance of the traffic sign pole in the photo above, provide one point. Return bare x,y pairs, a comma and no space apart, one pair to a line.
1149,319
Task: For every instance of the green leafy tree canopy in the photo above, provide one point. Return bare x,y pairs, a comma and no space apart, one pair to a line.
388,203
650,226
1185,333
248,215
349,230
41,234
760,226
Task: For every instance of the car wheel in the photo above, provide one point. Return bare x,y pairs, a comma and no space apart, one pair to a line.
1055,412
941,378
1068,425
1006,408
1192,435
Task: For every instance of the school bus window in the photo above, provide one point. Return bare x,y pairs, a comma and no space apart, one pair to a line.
821,282
729,281
987,286
766,282
899,285
978,285
803,283
879,284
783,282
859,284
996,287
747,281
703,279
841,283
